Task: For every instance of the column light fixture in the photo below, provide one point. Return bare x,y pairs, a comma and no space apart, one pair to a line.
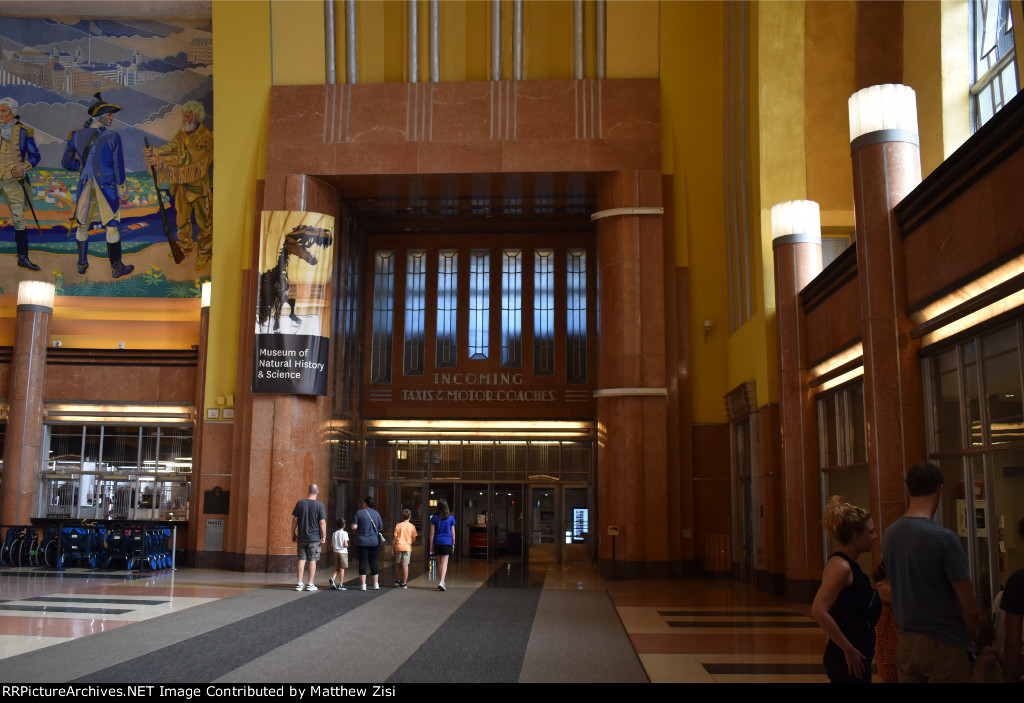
796,221
883,113
204,292
36,295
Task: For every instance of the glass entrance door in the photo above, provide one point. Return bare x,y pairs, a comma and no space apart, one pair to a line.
506,519
544,522
493,518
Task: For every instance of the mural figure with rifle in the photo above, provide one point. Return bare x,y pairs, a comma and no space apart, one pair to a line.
96,152
186,163
18,155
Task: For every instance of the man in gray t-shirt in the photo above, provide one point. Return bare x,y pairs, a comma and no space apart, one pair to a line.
309,531
932,594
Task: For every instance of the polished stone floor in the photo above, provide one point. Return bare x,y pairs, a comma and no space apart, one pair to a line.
567,618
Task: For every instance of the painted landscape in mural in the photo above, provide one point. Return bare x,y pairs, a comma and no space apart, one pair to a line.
93,115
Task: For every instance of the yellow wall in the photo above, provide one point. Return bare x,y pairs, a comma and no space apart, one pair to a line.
632,43
297,36
547,39
241,81
830,55
956,73
782,127
692,149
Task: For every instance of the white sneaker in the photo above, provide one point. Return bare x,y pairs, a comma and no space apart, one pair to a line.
300,587
363,587
375,587
312,587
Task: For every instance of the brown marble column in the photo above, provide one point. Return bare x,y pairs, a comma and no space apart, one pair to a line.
281,444
887,166
632,418
797,262
22,446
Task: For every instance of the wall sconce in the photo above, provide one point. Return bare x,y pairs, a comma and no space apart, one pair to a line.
36,295
796,221
883,113
204,293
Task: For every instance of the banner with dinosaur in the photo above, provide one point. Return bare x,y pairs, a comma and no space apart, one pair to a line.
296,260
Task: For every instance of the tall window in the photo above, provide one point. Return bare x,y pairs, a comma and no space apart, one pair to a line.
576,315
995,70
479,302
383,316
447,307
544,312
512,308
842,447
415,311
535,297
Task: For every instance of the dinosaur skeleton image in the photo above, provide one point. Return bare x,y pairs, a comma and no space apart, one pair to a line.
274,285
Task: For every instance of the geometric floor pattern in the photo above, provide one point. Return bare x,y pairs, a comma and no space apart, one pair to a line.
717,631
497,622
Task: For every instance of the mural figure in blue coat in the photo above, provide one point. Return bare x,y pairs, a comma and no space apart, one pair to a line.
18,156
96,152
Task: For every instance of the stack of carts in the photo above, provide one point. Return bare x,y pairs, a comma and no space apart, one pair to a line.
80,545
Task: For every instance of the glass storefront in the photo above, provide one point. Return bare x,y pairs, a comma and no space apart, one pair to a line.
512,499
842,448
116,472
975,423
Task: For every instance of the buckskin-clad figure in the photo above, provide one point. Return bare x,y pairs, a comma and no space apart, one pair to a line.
97,153
186,162
18,155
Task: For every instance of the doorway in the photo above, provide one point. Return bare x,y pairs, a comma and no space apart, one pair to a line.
541,524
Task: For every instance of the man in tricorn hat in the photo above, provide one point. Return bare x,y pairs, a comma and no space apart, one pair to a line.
18,155
97,153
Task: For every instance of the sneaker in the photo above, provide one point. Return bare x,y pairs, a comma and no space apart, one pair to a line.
441,587
375,587
398,584
333,585
312,587
362,587
405,585
342,588
300,587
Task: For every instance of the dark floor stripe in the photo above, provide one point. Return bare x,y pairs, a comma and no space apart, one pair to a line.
484,640
764,669
65,609
114,601
745,624
731,613
41,573
213,654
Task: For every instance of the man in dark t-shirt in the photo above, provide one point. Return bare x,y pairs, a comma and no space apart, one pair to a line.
932,593
309,531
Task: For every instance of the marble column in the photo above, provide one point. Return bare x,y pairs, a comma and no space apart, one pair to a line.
23,443
282,445
886,160
632,418
796,244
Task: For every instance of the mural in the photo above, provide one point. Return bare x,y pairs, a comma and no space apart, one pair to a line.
106,156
